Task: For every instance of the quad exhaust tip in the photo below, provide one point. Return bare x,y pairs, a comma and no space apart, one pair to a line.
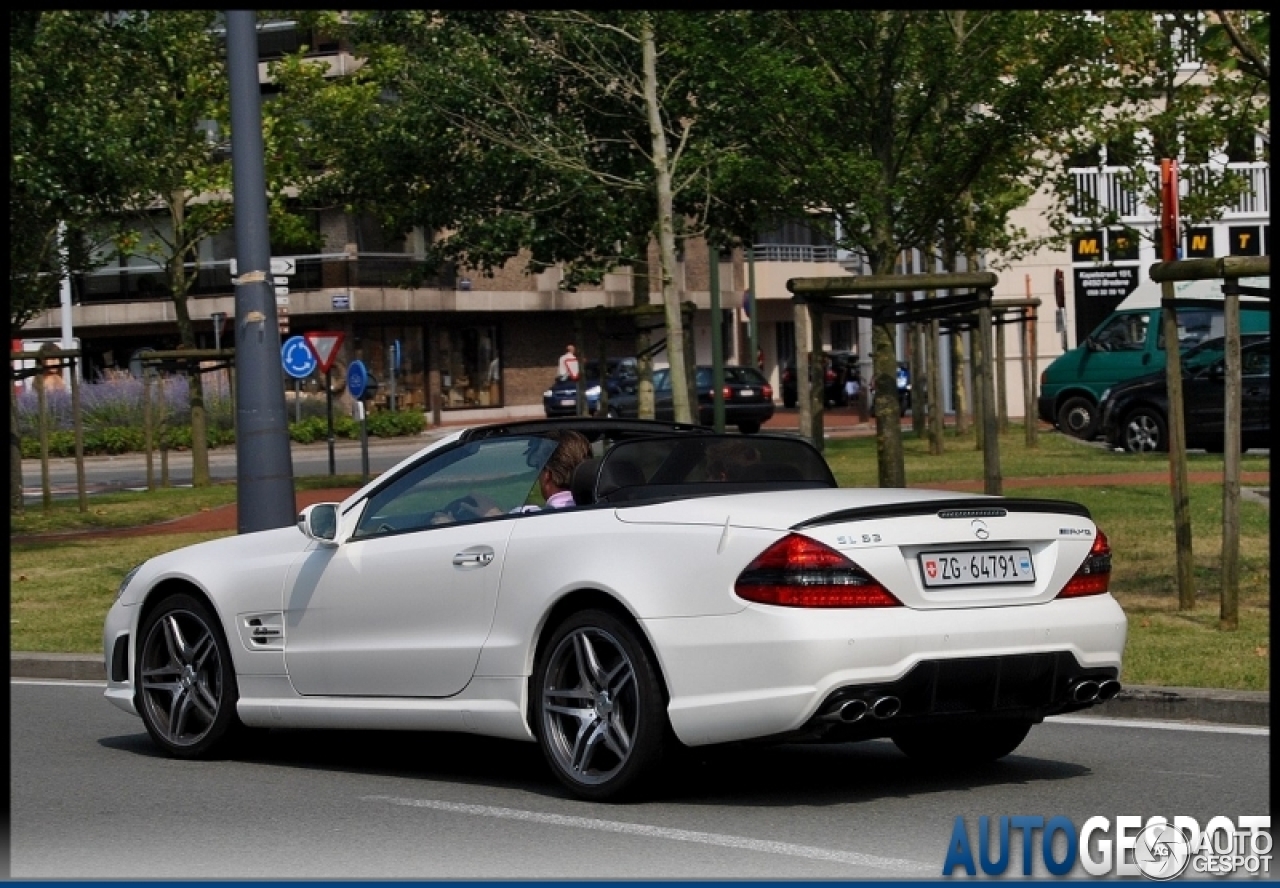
1085,691
1108,689
886,707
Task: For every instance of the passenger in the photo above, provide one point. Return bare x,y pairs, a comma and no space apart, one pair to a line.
727,461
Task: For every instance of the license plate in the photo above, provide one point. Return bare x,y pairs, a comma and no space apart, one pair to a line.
746,393
568,402
977,567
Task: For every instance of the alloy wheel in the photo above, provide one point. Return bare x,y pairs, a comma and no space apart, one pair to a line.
181,678
590,706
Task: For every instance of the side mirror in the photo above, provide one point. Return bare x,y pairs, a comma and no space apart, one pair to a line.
320,523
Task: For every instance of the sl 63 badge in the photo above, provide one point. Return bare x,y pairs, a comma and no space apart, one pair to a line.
854,540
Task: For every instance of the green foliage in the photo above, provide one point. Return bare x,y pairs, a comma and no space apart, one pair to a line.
394,424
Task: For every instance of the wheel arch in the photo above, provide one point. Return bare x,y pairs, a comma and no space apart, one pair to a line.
573,602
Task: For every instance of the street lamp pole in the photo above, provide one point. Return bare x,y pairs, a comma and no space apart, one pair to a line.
264,466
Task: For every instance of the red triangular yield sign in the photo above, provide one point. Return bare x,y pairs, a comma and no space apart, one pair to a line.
324,345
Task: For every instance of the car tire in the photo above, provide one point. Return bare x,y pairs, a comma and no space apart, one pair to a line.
599,707
972,743
749,427
788,402
1078,417
1144,431
185,680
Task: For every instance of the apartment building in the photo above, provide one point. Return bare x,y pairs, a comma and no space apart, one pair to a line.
467,344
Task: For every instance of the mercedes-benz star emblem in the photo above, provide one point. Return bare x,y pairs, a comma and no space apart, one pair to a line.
980,529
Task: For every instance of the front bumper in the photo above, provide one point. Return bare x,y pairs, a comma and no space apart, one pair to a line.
1044,408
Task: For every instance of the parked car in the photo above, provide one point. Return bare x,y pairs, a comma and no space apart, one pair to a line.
688,612
561,397
1135,414
748,398
838,366
1120,348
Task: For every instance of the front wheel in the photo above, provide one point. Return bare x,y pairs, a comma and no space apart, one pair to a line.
1078,417
1145,431
968,744
599,708
186,683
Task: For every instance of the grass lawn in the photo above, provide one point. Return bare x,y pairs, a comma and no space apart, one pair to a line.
60,591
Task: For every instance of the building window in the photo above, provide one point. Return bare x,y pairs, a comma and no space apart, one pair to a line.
842,336
786,333
469,361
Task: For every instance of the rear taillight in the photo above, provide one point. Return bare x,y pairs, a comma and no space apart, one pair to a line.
798,571
728,393
1094,575
768,392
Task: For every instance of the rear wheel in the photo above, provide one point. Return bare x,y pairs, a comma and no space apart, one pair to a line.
1145,431
186,683
968,744
599,708
1078,417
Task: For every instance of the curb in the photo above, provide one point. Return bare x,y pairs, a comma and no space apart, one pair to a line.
1171,704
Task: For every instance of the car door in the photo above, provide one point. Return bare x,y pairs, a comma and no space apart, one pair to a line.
402,606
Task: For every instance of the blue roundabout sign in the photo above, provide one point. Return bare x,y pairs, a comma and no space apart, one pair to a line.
298,359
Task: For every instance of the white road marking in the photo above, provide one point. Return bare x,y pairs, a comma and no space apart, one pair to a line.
1157,725
661,832
60,682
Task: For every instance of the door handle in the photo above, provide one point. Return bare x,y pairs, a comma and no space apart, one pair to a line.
476,556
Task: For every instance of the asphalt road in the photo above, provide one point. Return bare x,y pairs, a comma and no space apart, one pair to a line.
92,799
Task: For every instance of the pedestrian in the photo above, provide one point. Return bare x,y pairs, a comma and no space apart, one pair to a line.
568,365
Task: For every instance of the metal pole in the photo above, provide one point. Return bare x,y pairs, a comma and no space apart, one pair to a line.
264,467
328,394
717,343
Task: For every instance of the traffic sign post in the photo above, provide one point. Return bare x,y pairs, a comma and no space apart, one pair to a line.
324,345
357,379
299,362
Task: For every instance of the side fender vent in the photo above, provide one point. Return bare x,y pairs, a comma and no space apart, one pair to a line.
262,632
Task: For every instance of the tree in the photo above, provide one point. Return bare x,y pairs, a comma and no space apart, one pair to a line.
181,157
564,134
899,124
73,102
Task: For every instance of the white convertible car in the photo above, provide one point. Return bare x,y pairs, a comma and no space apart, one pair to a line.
675,603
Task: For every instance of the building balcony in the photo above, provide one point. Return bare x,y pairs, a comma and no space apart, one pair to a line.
324,271
1102,190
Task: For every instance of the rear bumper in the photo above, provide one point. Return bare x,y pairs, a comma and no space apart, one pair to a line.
769,671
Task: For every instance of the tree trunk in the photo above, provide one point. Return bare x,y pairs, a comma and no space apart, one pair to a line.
666,234
644,337
179,284
15,454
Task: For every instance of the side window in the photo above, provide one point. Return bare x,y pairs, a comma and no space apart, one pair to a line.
661,380
1124,332
1195,325
483,479
1256,362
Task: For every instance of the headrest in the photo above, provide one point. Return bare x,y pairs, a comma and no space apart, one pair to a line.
583,485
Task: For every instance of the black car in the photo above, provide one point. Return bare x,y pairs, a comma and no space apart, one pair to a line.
1135,413
748,398
561,397
838,366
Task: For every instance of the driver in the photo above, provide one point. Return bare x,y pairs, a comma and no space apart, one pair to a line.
556,476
